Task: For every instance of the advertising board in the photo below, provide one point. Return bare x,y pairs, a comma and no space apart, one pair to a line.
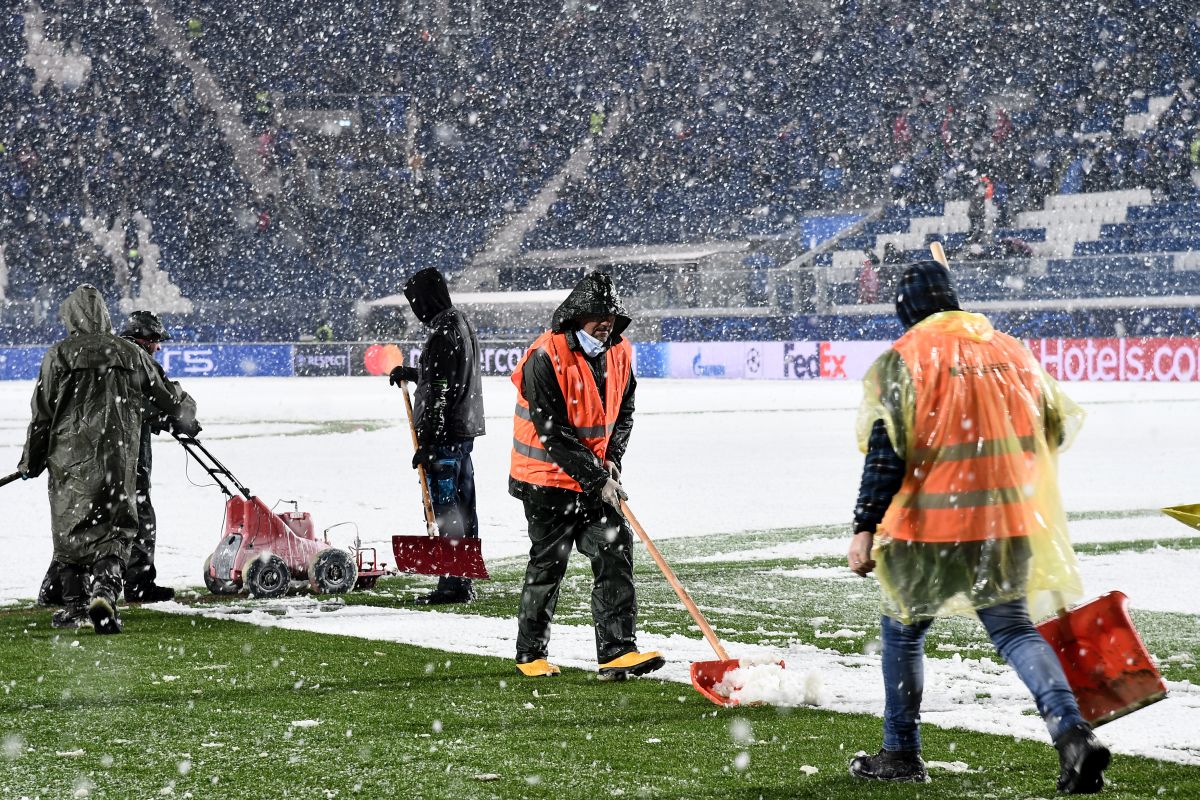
1159,360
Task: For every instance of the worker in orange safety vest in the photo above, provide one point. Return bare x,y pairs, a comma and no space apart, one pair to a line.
959,513
574,413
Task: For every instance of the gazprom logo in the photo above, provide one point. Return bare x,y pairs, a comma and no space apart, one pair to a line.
706,370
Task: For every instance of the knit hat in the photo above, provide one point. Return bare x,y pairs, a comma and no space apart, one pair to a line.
924,289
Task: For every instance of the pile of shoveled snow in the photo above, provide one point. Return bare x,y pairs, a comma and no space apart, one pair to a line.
770,683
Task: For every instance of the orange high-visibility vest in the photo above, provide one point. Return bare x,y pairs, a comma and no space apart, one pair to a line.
971,466
593,421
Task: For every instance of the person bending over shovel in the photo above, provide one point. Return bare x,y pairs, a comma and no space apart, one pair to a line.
448,411
93,394
574,413
959,512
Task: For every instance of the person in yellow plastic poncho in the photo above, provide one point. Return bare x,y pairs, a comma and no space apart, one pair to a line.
959,513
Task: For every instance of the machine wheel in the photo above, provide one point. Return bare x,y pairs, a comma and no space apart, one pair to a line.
266,577
332,571
216,585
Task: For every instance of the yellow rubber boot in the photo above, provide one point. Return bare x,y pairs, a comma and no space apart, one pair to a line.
634,663
538,669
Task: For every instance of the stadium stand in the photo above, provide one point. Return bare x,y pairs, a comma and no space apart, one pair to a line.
1054,161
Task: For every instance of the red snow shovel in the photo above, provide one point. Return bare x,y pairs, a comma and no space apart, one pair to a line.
705,674
433,554
1106,663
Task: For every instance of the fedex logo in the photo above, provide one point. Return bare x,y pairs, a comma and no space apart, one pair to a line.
809,360
801,360
832,364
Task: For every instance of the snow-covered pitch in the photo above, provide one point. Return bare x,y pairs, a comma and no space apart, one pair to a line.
706,457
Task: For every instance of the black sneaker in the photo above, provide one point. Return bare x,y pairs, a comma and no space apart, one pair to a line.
152,593
69,618
103,613
1082,760
890,765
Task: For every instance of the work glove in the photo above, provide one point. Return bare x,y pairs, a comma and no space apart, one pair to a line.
612,493
403,373
424,457
189,427
613,471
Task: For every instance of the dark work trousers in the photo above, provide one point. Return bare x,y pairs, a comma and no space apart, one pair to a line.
139,570
602,535
139,567
452,490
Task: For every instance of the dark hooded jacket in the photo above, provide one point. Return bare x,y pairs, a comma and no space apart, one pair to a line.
595,294
93,394
448,401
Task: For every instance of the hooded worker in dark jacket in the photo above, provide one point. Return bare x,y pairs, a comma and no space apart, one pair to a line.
93,394
575,402
146,330
448,415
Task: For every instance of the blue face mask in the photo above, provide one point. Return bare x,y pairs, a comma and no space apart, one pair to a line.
590,344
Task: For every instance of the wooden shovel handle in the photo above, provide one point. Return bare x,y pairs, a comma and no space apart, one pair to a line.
7,479
669,574
939,254
426,500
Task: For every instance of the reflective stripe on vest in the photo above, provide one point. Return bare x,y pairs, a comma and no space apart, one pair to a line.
971,469
592,420
584,432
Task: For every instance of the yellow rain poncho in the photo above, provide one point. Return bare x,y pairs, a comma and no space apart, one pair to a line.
978,520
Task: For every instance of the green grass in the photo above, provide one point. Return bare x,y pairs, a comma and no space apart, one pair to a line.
184,705
192,705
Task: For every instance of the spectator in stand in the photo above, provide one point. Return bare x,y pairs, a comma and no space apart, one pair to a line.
596,121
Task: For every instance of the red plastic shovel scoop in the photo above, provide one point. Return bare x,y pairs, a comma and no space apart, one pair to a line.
433,554
1106,663
706,675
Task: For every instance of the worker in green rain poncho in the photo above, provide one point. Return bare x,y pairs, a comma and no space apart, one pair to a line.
959,513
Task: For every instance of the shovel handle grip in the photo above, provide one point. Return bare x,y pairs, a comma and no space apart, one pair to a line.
7,479
939,254
669,574
426,500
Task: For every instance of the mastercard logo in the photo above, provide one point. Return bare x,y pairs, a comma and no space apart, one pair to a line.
380,359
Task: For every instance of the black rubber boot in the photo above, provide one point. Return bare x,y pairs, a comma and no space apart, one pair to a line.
449,590
73,614
890,765
152,593
69,618
51,592
106,588
1082,760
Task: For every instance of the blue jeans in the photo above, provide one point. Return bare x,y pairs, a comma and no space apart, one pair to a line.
1018,642
452,494
452,490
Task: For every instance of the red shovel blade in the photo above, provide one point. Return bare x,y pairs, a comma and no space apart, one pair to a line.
706,675
1104,659
439,555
